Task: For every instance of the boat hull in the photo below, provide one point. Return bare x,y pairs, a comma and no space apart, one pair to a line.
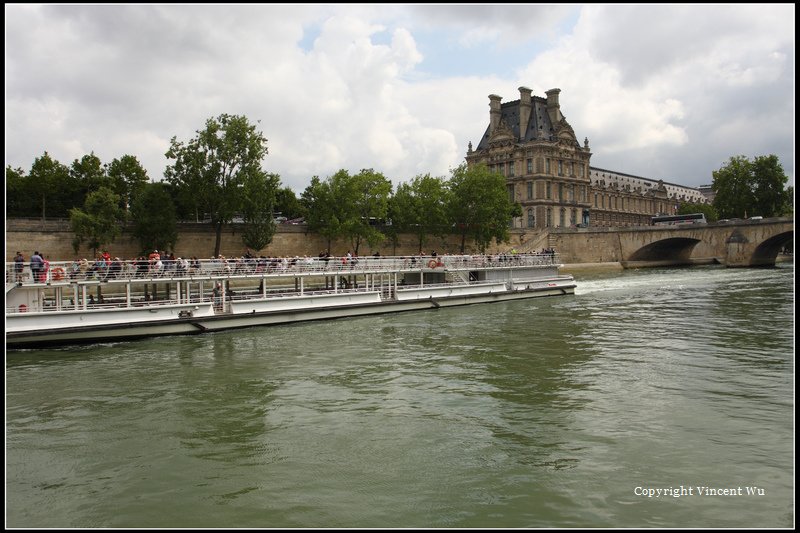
26,331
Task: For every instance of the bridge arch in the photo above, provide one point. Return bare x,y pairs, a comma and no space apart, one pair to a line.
669,251
767,251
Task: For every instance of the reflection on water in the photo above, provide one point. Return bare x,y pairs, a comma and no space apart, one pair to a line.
537,413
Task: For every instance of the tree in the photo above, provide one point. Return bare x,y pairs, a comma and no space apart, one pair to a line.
363,201
287,204
98,223
128,179
322,216
769,182
788,206
420,208
45,180
479,205
345,206
258,209
707,209
154,220
89,175
745,188
18,202
212,167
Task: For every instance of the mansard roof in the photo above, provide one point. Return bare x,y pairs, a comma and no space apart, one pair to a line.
618,174
539,125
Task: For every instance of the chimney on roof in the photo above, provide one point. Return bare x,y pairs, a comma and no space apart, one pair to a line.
494,112
553,109
524,111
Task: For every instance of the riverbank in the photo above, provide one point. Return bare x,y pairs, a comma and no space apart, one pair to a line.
614,266
591,268
583,248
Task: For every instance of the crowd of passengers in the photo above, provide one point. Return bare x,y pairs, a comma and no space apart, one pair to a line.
166,265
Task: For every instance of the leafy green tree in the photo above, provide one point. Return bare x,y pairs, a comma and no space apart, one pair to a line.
322,214
212,167
258,208
89,174
731,186
45,180
743,188
128,179
19,203
401,213
345,206
788,206
363,200
769,186
420,207
479,205
288,204
154,218
707,209
98,224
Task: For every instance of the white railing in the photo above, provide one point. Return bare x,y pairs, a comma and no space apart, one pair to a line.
121,271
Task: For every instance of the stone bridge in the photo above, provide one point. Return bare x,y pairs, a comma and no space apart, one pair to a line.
735,243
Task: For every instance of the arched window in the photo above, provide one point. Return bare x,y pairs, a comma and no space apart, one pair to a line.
531,219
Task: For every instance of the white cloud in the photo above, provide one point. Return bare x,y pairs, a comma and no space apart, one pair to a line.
661,91
636,79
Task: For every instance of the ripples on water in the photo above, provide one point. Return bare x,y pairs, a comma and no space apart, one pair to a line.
537,413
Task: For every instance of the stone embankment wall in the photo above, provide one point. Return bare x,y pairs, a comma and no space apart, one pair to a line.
593,246
53,238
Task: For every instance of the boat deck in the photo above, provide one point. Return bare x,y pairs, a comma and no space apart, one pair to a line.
66,272
71,302
76,286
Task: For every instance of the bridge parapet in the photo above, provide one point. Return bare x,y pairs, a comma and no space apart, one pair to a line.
734,243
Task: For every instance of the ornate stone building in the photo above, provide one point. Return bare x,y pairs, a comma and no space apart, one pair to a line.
548,172
620,199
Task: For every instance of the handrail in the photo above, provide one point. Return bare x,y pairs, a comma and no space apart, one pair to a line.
64,272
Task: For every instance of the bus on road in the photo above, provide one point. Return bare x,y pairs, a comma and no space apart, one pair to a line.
674,220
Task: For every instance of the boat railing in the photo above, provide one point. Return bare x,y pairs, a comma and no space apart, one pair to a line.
57,272
118,301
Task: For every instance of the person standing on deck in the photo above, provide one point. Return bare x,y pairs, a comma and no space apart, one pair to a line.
217,292
19,266
36,266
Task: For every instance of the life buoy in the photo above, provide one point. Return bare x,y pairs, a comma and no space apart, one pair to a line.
432,263
23,308
58,274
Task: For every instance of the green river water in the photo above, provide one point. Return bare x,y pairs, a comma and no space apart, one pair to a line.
557,412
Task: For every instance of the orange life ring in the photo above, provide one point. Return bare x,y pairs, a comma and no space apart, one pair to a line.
23,308
432,263
58,274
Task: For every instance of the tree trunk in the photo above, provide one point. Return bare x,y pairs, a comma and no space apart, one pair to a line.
218,242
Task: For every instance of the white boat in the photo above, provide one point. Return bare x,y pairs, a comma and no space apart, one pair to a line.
69,304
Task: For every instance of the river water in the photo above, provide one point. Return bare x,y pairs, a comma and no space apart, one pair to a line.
557,412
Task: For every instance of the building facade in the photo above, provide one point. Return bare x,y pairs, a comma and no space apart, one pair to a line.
548,171
620,199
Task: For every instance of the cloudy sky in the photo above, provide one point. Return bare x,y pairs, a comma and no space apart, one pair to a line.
665,92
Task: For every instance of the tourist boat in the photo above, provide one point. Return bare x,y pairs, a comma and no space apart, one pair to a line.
70,303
